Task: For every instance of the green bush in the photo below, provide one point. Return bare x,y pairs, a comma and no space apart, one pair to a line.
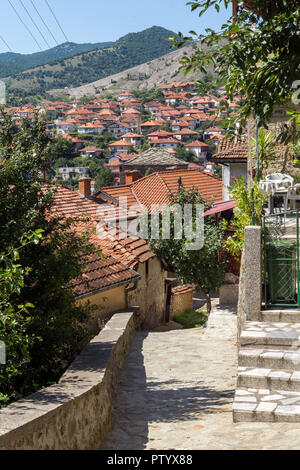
192,318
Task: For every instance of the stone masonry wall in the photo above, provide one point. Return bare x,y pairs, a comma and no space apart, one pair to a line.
180,303
75,414
150,293
283,162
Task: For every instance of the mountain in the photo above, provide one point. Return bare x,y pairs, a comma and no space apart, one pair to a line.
12,63
146,76
128,51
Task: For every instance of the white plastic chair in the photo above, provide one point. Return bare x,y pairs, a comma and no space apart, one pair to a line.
278,183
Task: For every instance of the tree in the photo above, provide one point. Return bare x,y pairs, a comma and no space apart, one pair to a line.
266,148
37,301
187,155
255,55
104,177
149,95
201,267
14,320
250,202
61,148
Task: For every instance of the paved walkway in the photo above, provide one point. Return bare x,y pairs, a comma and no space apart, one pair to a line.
176,390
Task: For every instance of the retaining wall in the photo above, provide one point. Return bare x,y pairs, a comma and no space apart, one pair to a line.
75,413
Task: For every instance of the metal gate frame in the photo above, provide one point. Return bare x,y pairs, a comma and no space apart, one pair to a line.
281,217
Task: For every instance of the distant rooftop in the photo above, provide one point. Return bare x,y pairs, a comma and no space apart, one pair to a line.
157,157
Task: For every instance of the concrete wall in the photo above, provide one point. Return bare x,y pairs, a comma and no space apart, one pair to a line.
150,294
229,294
250,286
107,302
75,413
229,174
241,313
180,303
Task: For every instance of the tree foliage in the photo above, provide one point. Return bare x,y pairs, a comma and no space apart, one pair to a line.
201,267
256,57
104,177
249,211
40,255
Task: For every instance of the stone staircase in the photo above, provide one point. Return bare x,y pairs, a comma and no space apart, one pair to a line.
268,381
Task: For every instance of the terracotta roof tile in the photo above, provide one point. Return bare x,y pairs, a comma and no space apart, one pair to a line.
229,150
100,274
156,187
177,290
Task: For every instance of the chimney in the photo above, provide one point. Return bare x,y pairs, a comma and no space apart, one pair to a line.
84,185
131,176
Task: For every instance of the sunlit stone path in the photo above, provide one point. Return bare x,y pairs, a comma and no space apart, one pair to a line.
176,391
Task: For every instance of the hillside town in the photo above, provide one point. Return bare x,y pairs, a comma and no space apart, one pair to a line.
114,133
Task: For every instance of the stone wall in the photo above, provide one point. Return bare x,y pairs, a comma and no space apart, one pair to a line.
180,303
75,413
150,293
283,162
229,294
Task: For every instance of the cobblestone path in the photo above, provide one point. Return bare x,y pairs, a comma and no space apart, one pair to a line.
176,391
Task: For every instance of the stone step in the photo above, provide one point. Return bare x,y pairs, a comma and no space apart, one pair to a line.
286,316
271,334
271,379
270,358
262,405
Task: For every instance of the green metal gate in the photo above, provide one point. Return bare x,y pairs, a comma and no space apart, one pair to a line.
281,259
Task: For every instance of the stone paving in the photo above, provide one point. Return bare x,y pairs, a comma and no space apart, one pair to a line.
176,391
267,333
269,406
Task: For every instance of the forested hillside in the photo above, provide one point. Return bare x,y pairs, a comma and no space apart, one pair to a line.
129,51
12,63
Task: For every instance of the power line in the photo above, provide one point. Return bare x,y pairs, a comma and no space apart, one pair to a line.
45,24
3,40
46,1
34,23
24,24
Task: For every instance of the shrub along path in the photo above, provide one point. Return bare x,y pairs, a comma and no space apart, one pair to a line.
176,391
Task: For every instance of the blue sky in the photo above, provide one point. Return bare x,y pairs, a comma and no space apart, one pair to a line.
98,20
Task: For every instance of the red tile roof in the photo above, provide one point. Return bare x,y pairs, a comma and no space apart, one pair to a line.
179,290
150,124
101,274
230,150
90,148
160,133
131,134
156,187
68,202
120,143
117,242
198,143
185,131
